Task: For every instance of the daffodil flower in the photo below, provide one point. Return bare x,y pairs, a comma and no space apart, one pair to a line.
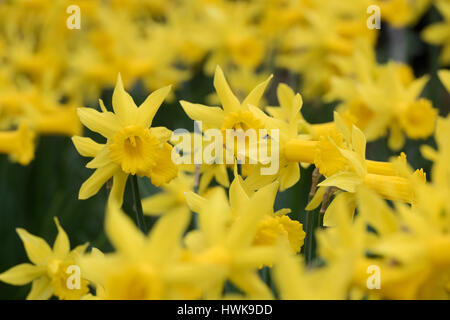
49,272
145,266
131,147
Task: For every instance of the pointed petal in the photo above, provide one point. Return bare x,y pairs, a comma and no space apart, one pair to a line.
194,201
256,94
229,101
41,289
38,251
104,123
250,283
289,176
125,237
238,196
21,274
211,116
102,159
158,203
61,247
165,238
118,187
86,146
91,186
244,228
150,106
161,133
285,95
123,104
343,180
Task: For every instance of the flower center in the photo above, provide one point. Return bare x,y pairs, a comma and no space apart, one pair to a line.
66,281
134,283
134,149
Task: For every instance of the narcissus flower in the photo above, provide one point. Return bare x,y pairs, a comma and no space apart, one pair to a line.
225,238
132,147
144,267
49,273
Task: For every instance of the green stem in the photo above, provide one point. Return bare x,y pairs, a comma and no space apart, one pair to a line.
138,205
309,239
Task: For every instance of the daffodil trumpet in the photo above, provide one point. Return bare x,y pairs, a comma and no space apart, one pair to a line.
304,151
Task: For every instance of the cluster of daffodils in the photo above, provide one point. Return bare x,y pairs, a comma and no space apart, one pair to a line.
372,229
56,56
205,241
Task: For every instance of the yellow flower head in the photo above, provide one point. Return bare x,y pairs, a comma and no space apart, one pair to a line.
51,269
132,147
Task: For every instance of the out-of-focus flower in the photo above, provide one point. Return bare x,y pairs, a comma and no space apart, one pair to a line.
49,272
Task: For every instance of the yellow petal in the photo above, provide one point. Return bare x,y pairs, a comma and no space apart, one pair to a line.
104,123
256,94
252,285
86,146
166,235
91,186
123,104
41,289
289,176
194,201
343,180
238,196
221,175
161,133
158,203
150,106
211,116
229,101
102,159
21,274
123,233
118,187
285,95
244,228
61,247
38,251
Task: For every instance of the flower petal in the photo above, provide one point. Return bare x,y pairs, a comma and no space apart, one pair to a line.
256,94
38,251
210,116
229,101
105,123
123,104
61,247
86,146
41,289
21,274
150,106
91,186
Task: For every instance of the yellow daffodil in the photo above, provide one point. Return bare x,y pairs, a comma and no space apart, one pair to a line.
50,270
225,238
144,267
132,147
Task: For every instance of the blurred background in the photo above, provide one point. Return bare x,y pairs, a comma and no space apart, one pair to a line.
153,43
